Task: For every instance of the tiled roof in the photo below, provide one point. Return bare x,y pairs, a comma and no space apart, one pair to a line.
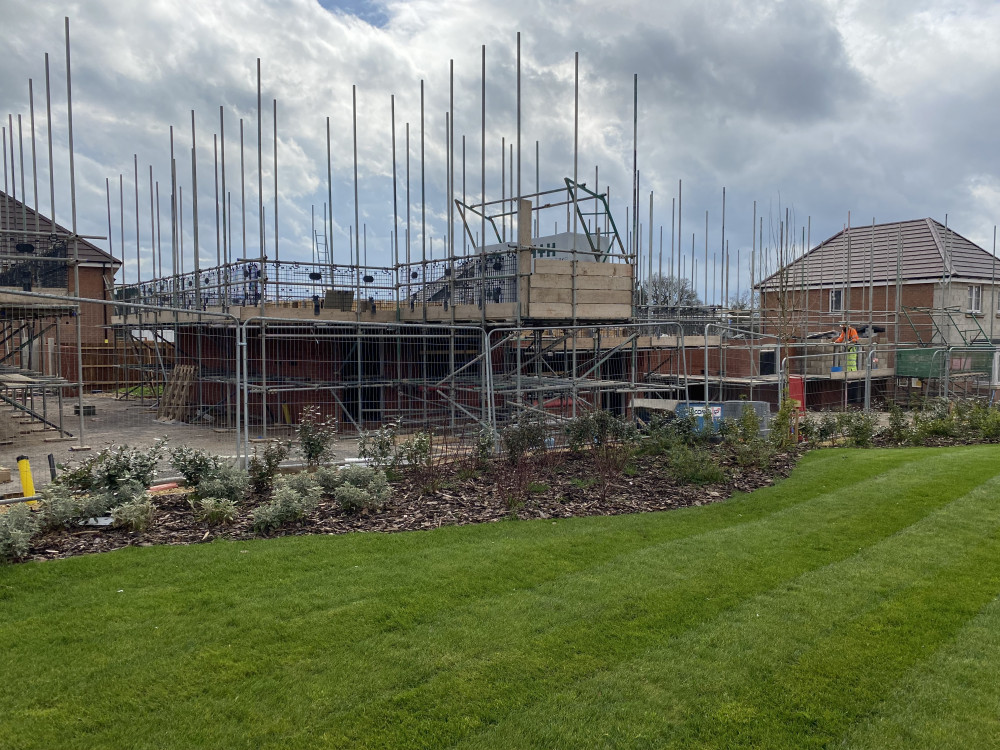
922,249
15,216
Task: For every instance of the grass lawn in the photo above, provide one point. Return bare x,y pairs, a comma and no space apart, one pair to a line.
854,604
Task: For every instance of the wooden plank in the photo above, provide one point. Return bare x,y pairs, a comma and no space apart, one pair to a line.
584,268
565,281
583,297
561,311
174,401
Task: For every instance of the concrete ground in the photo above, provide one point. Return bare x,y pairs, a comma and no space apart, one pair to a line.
119,422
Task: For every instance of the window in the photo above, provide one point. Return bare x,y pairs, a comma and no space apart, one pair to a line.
975,299
836,300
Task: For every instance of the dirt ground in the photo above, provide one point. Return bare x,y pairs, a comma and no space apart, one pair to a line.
123,422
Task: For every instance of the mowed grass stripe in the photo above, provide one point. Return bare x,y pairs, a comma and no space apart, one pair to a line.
413,580
441,634
797,665
586,622
951,700
528,642
489,659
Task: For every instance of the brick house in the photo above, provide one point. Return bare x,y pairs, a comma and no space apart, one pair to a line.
920,282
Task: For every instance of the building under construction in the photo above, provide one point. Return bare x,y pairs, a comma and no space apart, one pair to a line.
506,322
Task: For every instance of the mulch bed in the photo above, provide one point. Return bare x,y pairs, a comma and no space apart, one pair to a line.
463,496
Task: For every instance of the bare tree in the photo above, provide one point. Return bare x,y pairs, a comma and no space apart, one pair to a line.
668,291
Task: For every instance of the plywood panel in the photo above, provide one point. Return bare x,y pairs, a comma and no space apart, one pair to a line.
565,281
563,311
584,268
583,296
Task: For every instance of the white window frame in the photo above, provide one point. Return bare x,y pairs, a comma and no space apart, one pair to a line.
975,298
838,295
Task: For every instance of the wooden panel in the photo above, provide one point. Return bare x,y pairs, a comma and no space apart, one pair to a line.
562,311
584,268
463,313
583,296
565,281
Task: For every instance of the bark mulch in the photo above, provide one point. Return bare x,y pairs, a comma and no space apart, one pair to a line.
562,486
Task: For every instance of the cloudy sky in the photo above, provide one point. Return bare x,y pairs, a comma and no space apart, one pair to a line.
887,110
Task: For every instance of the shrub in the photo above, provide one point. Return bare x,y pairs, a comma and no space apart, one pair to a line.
378,446
114,467
78,477
665,433
781,436
18,527
316,435
416,451
287,505
134,515
194,464
859,428
215,510
120,466
611,440
226,482
485,445
984,422
262,467
59,506
694,465
756,453
361,487
96,504
328,479
304,482
521,439
898,430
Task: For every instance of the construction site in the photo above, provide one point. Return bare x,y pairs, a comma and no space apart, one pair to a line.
506,321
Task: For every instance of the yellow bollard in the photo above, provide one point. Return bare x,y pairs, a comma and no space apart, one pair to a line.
27,484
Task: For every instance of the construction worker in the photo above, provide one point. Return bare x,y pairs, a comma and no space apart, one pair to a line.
849,337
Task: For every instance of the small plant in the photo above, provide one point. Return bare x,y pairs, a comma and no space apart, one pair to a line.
226,482
781,435
121,465
194,464
522,439
135,514
316,435
303,483
361,488
694,465
485,445
285,507
378,446
328,479
748,425
898,430
18,526
78,477
263,466
664,433
114,467
984,422
538,488
583,484
59,506
215,510
97,504
826,429
859,428
744,441
416,451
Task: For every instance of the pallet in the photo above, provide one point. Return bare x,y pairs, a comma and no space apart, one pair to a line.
175,402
